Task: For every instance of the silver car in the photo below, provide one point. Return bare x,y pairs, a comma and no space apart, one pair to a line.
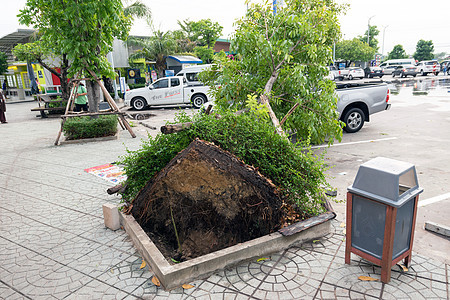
405,70
388,70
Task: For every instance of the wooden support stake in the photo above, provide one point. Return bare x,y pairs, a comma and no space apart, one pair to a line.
71,99
112,103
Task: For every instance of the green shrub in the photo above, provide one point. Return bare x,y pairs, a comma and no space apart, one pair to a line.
89,127
140,80
296,170
136,85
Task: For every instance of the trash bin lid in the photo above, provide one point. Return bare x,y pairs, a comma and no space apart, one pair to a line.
386,180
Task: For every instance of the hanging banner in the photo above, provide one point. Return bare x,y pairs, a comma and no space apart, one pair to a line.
122,84
154,76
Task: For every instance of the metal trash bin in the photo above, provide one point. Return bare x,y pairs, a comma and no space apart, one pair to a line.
381,213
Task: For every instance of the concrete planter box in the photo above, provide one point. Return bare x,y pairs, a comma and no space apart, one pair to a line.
172,276
98,139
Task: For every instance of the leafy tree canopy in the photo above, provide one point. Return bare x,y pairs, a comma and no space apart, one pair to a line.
38,51
3,62
204,32
204,53
84,30
281,59
424,50
354,50
397,53
373,42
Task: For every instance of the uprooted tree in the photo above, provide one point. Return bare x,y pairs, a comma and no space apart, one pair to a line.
282,59
186,190
256,183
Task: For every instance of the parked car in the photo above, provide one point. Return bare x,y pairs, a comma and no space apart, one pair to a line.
404,71
355,72
428,66
357,101
389,69
371,72
335,73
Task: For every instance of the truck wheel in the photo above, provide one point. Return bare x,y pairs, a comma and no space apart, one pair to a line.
354,120
198,100
139,103
350,77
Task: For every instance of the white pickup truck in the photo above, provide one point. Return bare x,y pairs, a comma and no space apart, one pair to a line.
168,91
357,101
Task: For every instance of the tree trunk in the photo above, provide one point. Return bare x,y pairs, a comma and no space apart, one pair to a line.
265,100
93,93
108,84
65,85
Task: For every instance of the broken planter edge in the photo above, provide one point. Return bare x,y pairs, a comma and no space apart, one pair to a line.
172,276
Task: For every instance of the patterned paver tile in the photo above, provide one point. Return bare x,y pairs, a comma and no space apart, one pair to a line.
328,291
127,275
97,290
346,276
7,292
35,275
98,261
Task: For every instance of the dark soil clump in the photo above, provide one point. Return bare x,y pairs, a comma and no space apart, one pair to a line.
207,199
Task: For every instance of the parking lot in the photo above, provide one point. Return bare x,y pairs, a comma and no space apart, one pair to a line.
56,245
414,130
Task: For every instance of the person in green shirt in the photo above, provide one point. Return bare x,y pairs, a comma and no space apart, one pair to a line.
81,98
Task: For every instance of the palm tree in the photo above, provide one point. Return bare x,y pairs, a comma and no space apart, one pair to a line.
138,9
156,48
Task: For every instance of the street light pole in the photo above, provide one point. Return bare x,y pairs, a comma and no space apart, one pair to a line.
368,30
382,49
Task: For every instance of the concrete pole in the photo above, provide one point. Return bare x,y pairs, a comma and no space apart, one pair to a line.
368,30
116,96
382,49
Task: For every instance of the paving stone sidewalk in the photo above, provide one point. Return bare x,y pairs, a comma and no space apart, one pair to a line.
53,243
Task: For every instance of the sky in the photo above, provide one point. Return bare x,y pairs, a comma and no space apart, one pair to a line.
399,21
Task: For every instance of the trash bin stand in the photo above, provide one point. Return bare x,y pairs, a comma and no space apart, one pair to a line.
386,262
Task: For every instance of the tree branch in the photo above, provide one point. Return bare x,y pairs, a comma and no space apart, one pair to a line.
49,68
289,113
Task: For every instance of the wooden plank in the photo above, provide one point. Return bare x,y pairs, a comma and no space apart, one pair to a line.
348,232
308,223
366,256
47,108
85,114
407,261
388,244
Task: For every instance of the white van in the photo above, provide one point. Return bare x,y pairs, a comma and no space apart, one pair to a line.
398,62
190,73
